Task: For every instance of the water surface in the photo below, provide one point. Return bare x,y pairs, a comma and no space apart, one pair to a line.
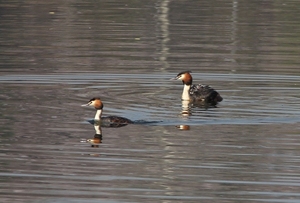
56,56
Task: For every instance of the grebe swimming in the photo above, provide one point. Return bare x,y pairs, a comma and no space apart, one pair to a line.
109,121
197,93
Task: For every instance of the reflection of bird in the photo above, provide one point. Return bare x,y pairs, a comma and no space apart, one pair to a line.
109,121
186,109
197,93
95,141
183,127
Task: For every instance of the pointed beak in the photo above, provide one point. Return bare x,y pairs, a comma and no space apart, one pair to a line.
85,104
176,78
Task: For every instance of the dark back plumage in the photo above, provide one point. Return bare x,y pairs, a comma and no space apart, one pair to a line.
115,121
205,93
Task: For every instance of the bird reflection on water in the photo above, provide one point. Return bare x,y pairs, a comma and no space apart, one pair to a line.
97,139
183,127
186,110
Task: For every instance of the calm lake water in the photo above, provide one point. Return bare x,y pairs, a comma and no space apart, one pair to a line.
56,55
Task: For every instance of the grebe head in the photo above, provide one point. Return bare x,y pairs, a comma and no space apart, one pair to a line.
95,102
185,77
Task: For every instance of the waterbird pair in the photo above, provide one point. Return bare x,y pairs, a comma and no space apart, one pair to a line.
192,93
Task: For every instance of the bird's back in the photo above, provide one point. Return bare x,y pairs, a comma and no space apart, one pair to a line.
205,93
115,121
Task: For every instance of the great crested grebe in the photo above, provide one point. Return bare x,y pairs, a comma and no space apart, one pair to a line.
109,121
197,93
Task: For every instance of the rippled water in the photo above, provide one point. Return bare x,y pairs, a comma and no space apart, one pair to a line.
56,56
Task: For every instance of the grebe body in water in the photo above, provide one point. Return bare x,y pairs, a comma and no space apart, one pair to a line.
108,121
197,93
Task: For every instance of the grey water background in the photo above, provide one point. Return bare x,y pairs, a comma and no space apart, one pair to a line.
56,55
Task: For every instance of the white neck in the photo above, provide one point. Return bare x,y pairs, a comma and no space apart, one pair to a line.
186,92
98,114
